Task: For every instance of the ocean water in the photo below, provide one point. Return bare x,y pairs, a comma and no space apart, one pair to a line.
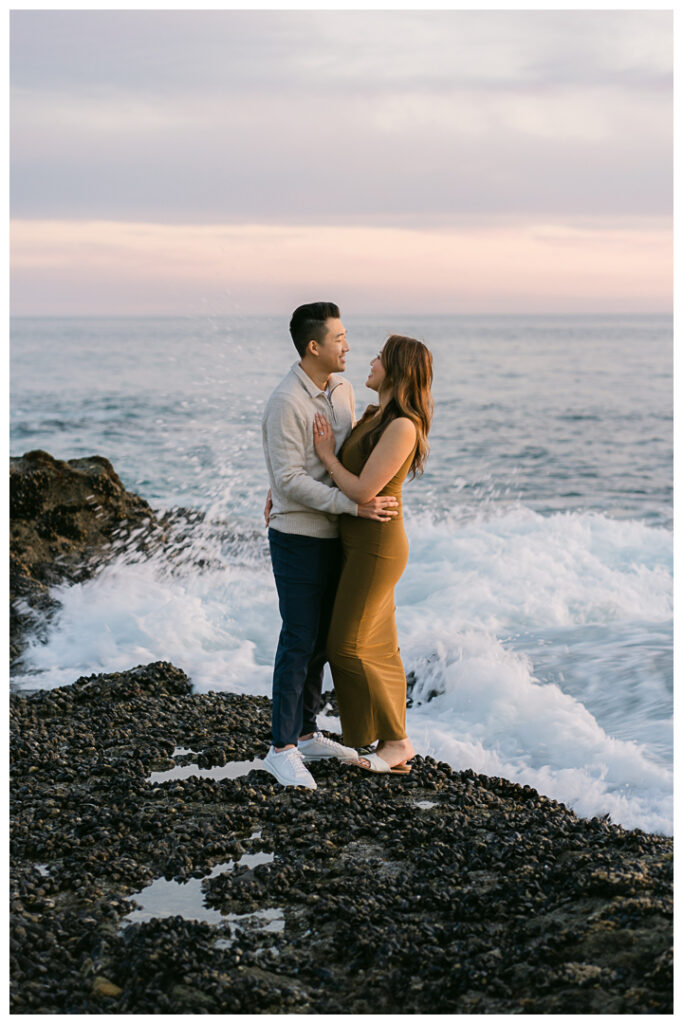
536,609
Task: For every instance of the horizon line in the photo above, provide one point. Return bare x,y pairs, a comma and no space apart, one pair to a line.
205,315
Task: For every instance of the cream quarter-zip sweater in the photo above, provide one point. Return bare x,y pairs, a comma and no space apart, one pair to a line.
305,501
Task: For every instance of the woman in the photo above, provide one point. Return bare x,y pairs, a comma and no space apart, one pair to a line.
362,648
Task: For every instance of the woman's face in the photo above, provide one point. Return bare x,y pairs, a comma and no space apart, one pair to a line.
377,373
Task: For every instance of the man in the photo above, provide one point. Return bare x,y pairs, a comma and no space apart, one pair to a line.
304,536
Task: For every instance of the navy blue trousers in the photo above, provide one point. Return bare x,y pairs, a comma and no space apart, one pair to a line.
306,571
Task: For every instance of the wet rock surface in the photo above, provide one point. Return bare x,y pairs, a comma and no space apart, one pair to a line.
437,892
66,519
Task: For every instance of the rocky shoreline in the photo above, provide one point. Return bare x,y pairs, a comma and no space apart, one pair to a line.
438,892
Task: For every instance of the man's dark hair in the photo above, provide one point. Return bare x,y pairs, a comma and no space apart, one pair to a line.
308,323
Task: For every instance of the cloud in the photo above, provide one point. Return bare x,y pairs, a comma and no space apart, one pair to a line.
476,160
179,52
108,267
401,156
360,117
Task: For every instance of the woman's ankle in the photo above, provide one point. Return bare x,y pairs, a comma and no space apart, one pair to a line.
398,745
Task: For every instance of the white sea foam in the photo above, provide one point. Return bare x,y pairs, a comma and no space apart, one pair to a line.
209,624
522,569
515,626
494,717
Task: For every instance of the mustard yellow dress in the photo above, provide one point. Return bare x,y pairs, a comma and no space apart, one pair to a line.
362,647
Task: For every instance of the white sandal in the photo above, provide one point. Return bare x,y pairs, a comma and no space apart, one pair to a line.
378,765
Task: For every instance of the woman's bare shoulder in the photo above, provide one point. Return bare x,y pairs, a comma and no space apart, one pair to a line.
401,430
403,426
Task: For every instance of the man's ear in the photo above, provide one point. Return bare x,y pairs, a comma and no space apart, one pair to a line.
313,347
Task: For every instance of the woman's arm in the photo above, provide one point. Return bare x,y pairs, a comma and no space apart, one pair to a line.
386,458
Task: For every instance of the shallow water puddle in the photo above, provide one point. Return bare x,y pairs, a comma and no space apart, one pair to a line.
231,770
270,920
183,750
424,805
168,898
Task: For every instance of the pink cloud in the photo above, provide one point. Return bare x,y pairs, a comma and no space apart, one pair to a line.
75,267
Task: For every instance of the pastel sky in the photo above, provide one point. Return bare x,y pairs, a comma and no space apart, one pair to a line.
180,162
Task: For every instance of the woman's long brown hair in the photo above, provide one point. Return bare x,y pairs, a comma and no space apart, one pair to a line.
408,367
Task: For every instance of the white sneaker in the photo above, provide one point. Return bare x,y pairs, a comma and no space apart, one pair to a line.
320,746
288,768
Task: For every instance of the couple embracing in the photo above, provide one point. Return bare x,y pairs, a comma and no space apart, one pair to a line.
337,543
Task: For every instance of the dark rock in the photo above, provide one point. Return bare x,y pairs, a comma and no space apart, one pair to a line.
66,520
495,900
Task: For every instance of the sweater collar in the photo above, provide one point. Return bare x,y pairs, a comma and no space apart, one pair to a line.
334,381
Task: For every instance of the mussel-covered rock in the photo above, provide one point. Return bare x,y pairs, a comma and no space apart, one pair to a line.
442,891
